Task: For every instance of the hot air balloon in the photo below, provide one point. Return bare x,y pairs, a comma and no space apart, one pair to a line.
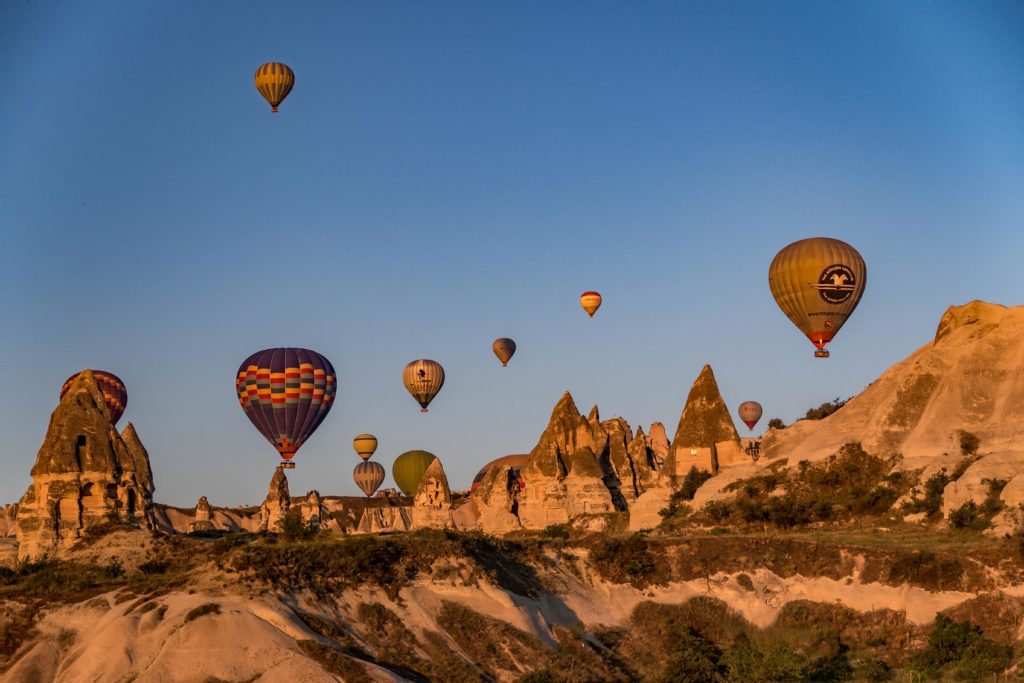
513,462
423,378
408,469
590,301
274,80
365,445
504,348
115,395
368,477
286,393
817,283
750,413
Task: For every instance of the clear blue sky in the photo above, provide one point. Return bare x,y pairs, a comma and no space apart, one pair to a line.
447,173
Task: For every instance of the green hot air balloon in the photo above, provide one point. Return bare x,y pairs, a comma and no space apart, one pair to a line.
408,469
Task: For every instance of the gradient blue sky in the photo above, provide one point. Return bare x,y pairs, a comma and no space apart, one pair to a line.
447,173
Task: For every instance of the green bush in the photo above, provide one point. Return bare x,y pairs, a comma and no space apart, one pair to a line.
825,409
625,559
968,516
962,647
931,502
969,443
778,663
294,528
776,423
693,481
555,532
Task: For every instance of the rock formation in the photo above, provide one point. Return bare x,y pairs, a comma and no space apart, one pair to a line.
969,377
706,437
85,475
387,518
202,521
277,503
313,511
657,442
497,501
432,505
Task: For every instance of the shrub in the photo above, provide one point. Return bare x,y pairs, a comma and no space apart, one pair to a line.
624,559
555,532
152,567
294,528
825,409
776,423
693,481
964,647
202,611
931,502
779,662
968,516
925,569
969,443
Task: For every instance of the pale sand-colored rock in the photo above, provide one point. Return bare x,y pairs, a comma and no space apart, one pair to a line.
8,520
970,377
645,513
250,638
85,475
432,505
657,441
277,503
377,520
706,437
972,486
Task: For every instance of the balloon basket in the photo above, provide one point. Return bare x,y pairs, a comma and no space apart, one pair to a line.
287,464
424,410
821,353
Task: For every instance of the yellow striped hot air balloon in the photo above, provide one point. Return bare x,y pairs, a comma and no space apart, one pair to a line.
368,477
423,378
365,445
590,301
274,80
817,283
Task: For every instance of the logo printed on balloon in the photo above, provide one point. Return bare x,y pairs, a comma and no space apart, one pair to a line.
836,283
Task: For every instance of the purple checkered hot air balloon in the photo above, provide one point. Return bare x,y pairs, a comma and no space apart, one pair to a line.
286,393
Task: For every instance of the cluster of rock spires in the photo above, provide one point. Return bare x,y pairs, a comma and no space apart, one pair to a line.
87,475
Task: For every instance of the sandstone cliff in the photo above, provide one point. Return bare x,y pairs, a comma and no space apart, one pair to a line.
969,377
432,505
706,437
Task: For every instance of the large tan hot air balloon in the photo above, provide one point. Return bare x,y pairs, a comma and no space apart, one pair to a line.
423,378
590,301
504,349
817,283
365,445
368,477
274,80
750,412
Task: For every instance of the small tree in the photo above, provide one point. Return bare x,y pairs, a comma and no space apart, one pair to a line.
776,423
968,442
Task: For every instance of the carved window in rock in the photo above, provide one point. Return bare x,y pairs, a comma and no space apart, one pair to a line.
111,490
88,490
131,502
80,444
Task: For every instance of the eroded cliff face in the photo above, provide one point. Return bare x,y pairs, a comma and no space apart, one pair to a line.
706,436
969,377
432,505
85,475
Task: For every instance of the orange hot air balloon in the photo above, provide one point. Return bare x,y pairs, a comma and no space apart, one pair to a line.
115,396
504,349
590,301
274,80
750,412
817,283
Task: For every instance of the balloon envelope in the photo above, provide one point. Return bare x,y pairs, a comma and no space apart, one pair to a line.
365,445
286,393
115,395
423,378
504,348
274,80
590,301
408,469
750,412
368,477
817,283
